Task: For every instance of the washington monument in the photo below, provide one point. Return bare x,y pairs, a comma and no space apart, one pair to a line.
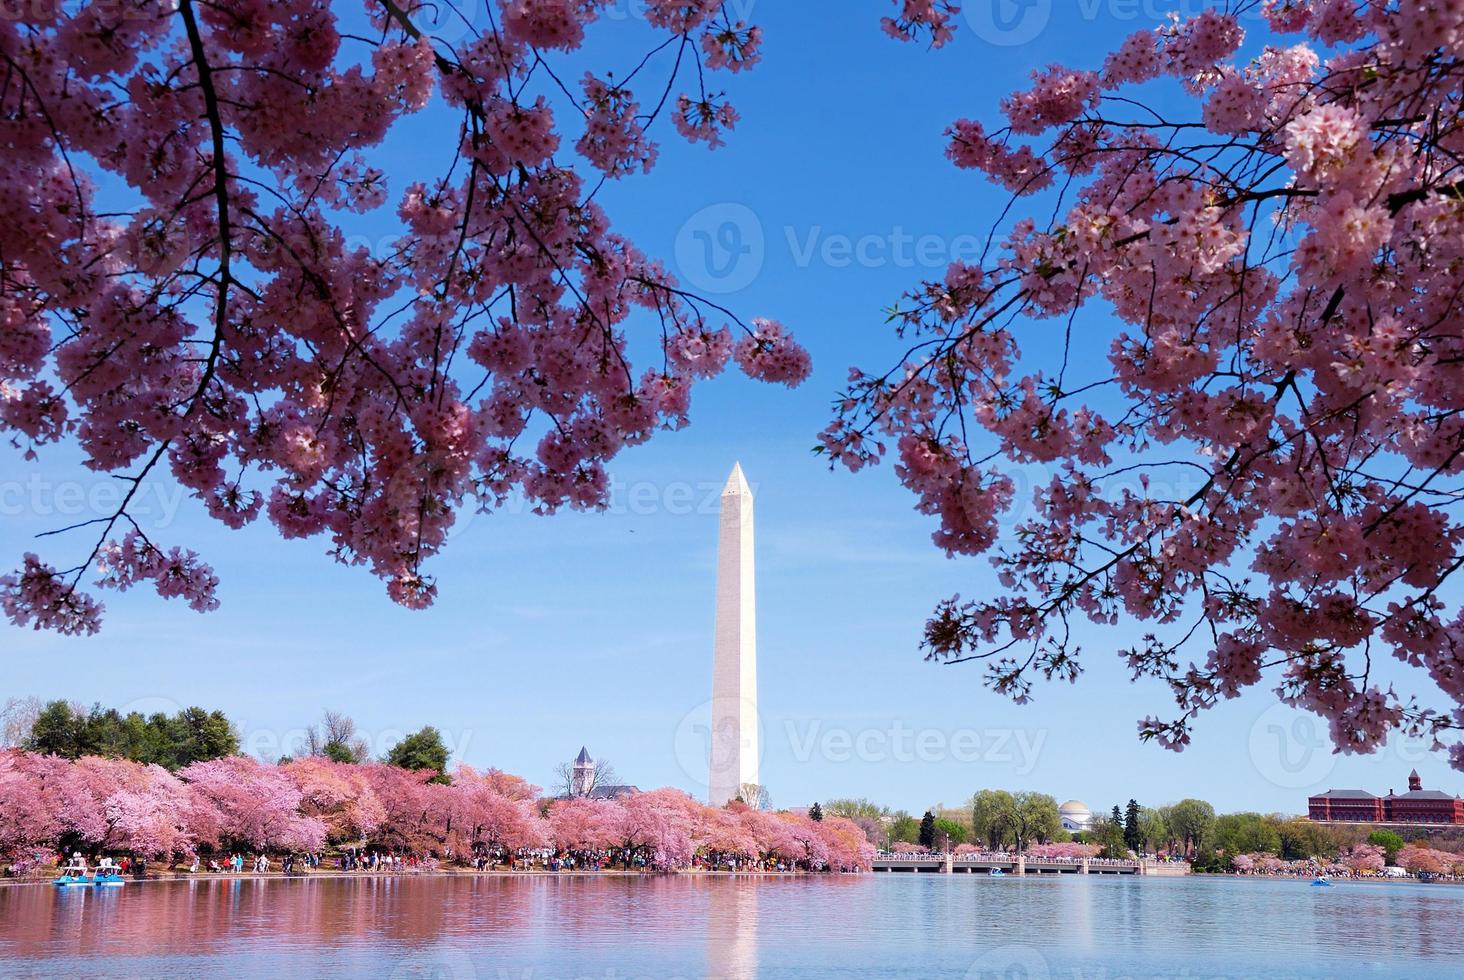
733,755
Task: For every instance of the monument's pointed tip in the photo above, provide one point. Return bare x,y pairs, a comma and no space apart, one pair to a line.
737,483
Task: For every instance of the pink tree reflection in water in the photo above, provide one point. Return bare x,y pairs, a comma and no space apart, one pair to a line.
689,925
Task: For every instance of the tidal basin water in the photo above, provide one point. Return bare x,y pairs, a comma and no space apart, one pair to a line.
539,928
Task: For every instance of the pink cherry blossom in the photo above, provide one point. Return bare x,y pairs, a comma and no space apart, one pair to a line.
1263,469
180,294
584,824
239,802
920,17
1362,858
1417,857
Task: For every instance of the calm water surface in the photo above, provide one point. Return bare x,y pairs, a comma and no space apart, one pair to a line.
543,928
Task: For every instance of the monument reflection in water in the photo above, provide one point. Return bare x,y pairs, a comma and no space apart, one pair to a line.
732,929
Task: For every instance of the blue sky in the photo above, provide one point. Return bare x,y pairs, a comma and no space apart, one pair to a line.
831,199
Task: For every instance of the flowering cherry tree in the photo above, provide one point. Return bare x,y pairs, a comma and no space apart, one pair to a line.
238,802
773,838
584,824
415,813
1269,241
849,848
656,827
154,819
728,831
27,816
484,817
339,795
179,291
1419,858
1363,858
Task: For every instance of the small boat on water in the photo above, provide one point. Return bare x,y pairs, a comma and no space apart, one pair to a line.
1321,882
996,873
108,875
73,872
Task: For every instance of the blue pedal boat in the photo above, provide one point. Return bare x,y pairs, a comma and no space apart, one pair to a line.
73,873
108,875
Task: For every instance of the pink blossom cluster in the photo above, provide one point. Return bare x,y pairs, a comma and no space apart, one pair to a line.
769,353
917,17
705,119
222,326
1363,858
1417,858
732,46
1262,470
176,574
239,803
614,141
116,805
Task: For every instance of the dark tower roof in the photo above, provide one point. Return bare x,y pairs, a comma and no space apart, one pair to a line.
1414,782
583,759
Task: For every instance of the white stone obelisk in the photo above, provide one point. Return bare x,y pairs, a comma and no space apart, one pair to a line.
733,748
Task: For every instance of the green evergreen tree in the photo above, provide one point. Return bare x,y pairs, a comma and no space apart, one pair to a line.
56,731
815,812
420,750
927,830
192,735
1132,836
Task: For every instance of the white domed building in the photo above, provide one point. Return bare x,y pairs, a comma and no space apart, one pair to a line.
1076,817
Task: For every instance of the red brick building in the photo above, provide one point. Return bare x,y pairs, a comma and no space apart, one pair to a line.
1417,806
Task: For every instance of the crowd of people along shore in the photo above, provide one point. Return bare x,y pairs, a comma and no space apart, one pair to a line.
236,814
1413,861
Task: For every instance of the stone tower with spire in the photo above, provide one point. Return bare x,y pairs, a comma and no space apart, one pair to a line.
582,781
733,752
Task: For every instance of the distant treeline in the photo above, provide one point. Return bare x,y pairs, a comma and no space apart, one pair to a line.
999,819
171,741
176,741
